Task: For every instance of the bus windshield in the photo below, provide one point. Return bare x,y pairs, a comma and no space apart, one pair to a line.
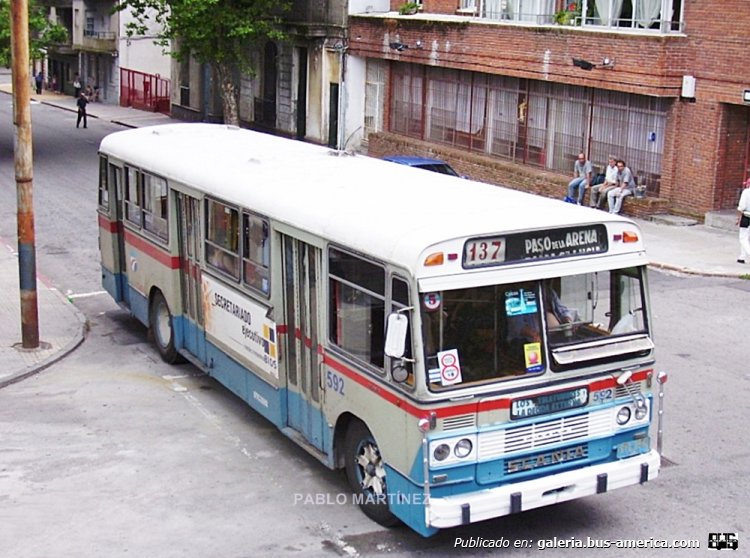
500,332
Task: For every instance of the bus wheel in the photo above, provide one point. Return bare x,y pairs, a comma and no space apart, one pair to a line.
366,473
160,321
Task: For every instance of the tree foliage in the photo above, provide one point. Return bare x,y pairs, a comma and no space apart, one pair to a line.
220,33
42,32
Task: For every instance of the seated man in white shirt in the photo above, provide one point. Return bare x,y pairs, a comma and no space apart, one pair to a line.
599,192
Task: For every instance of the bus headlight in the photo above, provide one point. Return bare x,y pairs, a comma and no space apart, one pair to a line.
463,447
623,416
441,452
641,412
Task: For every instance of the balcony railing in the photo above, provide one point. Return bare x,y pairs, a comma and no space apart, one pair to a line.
642,15
100,35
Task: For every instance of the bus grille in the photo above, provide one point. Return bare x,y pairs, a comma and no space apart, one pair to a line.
542,434
461,421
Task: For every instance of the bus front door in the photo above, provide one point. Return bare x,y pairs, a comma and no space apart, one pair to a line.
303,355
190,274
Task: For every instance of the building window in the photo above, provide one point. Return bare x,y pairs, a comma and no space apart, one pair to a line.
531,122
374,96
661,16
357,306
407,100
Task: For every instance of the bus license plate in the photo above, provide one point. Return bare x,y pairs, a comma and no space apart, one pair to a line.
634,447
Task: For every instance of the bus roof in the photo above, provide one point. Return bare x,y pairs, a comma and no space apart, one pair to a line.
392,212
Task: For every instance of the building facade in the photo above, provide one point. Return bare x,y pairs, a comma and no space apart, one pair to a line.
297,88
99,51
501,85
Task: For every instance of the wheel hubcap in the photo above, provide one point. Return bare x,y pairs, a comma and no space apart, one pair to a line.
371,468
163,331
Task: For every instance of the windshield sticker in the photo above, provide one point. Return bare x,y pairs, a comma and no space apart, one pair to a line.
532,353
450,367
431,301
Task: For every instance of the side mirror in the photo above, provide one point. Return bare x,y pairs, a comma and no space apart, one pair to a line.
395,335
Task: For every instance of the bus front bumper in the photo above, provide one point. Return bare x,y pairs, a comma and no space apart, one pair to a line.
451,511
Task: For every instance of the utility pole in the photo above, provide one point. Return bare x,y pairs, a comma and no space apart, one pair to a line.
19,10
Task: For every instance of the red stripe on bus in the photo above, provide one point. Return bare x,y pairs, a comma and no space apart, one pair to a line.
441,412
150,249
109,226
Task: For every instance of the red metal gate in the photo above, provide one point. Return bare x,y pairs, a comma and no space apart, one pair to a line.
144,91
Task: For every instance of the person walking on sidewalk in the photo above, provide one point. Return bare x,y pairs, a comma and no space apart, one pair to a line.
582,171
76,86
743,220
82,102
39,80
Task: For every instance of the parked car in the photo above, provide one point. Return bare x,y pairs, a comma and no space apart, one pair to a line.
434,165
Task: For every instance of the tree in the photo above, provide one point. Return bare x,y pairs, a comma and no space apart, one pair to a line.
43,33
216,32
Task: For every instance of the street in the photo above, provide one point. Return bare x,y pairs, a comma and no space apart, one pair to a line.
111,452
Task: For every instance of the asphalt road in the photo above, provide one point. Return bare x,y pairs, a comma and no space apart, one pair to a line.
110,452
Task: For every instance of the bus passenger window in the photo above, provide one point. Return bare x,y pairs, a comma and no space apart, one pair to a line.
256,252
103,186
222,238
400,301
357,306
155,206
132,196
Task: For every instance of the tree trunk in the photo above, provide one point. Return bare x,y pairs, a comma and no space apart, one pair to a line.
228,95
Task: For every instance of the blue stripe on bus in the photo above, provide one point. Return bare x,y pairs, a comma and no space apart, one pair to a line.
407,501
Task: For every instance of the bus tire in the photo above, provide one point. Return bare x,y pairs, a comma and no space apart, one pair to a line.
162,328
365,471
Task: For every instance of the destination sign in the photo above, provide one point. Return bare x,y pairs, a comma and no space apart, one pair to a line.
535,245
549,403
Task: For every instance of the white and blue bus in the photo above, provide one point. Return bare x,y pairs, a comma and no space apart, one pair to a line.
462,350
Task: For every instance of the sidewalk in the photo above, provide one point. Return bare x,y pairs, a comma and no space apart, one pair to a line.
695,250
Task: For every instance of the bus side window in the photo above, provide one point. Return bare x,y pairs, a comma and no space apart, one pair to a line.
399,301
133,196
357,306
103,184
222,238
256,253
155,206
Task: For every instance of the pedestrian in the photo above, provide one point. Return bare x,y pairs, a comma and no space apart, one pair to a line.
743,220
582,171
39,79
599,192
82,102
76,86
625,187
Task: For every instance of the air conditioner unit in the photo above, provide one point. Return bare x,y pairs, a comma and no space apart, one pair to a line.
688,87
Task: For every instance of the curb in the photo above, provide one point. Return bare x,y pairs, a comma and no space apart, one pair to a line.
74,343
689,271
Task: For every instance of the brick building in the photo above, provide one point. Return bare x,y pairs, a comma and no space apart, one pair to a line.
510,90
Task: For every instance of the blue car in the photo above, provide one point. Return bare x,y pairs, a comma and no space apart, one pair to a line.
434,165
